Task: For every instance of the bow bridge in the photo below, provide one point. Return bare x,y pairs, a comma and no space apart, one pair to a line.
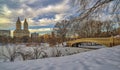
109,42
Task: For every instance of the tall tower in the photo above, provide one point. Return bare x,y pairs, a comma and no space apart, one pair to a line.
25,24
19,32
18,24
25,30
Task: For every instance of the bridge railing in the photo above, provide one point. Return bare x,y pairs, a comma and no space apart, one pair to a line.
111,41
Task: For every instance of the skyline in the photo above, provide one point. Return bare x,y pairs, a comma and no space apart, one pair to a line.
40,14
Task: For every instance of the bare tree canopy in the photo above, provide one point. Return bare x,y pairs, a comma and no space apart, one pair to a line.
97,18
89,8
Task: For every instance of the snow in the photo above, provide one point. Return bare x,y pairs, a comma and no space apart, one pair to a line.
92,47
44,51
102,59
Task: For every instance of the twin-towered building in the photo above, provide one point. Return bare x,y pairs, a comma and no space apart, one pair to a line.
19,32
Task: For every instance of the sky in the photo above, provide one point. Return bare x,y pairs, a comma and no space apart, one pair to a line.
41,14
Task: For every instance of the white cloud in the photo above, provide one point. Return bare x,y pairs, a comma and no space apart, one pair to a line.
46,21
4,20
33,12
59,17
40,30
105,17
25,1
6,10
28,12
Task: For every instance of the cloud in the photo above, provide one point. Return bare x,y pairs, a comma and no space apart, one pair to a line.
40,30
5,12
59,16
5,23
27,1
4,20
107,17
59,9
46,21
32,10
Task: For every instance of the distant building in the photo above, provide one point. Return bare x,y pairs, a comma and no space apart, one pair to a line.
5,33
19,32
35,37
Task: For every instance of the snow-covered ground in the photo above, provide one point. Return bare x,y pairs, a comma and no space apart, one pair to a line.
102,59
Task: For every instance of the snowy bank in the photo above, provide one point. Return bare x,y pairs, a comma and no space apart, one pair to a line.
102,59
22,52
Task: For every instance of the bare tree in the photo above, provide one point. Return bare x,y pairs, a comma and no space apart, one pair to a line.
94,10
108,26
91,28
56,52
9,53
90,7
25,55
61,29
37,52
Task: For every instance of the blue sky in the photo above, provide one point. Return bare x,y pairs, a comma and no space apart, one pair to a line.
41,14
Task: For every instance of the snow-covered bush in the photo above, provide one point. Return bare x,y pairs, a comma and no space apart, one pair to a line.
9,53
23,52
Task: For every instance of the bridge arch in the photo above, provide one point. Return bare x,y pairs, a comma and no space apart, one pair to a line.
75,44
102,41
